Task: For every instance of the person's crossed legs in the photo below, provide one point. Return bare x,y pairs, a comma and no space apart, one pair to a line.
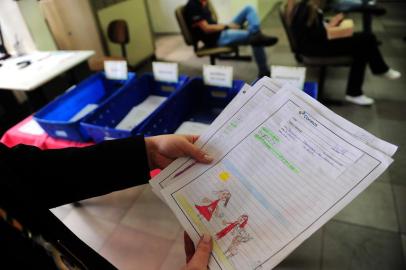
252,35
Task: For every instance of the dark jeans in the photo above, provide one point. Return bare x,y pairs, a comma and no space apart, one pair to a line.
364,48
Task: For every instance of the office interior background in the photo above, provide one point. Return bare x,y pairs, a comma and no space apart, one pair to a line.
133,229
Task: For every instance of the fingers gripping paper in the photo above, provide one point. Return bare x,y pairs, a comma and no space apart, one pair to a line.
284,165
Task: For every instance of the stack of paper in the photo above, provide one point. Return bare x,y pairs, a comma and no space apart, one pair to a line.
140,112
83,112
192,128
284,165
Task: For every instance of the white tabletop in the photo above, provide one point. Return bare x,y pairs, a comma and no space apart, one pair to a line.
44,67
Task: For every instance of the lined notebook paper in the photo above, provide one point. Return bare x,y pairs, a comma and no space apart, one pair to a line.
283,166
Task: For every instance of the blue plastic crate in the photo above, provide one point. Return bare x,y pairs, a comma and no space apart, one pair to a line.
311,88
101,125
195,102
55,117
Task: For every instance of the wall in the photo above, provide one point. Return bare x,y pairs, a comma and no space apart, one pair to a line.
73,26
36,24
228,9
99,4
14,27
162,15
265,6
163,19
141,44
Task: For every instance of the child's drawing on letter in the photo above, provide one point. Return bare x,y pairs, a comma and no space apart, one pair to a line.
211,206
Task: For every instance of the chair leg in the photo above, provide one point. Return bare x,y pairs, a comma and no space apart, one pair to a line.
212,60
322,79
124,51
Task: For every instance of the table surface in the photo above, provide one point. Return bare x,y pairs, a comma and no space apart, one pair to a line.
44,66
30,133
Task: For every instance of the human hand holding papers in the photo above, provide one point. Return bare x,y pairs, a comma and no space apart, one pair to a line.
283,166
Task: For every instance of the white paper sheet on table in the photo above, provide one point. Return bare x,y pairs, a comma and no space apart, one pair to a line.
288,169
31,127
140,112
191,128
83,112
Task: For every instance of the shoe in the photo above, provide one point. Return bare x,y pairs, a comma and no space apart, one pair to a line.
391,74
360,100
259,39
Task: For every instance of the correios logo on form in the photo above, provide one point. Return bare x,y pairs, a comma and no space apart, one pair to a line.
306,116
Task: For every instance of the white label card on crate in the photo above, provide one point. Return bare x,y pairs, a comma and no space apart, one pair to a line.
293,75
218,75
116,69
165,72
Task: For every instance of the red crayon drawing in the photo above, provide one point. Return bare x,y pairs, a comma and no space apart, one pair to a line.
208,210
185,169
233,227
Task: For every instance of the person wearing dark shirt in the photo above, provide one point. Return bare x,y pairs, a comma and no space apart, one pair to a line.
310,31
33,181
205,28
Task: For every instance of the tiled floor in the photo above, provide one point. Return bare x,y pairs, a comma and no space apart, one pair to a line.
135,230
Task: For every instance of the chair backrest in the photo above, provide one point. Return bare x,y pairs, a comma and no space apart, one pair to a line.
288,30
184,28
117,32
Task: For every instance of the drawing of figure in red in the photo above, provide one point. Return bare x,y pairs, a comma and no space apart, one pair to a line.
211,208
233,227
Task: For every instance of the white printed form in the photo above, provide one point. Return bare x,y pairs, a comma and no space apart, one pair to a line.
247,100
355,131
223,127
287,172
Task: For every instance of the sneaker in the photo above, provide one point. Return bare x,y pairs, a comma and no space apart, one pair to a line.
360,100
391,74
259,39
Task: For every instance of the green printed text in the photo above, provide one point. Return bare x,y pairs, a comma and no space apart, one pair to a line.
275,152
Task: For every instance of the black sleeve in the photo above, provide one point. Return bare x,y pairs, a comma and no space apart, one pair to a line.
194,12
56,177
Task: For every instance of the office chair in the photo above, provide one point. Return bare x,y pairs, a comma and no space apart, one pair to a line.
202,51
321,62
118,33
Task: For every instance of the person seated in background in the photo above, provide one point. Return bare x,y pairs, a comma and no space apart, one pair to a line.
311,32
206,29
32,181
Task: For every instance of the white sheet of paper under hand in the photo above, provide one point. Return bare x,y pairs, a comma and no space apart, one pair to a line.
191,128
